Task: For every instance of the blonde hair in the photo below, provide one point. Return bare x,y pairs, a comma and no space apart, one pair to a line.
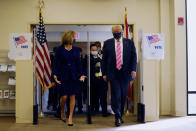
67,38
116,27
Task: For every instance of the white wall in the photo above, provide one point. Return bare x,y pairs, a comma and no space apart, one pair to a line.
180,59
165,65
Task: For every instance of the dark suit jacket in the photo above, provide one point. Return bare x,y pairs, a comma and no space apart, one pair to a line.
84,65
109,59
66,64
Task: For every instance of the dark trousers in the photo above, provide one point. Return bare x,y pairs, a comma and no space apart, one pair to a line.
99,94
53,97
79,100
82,95
119,87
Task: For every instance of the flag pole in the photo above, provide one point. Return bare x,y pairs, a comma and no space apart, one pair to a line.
41,4
127,111
125,35
35,106
89,120
41,103
41,85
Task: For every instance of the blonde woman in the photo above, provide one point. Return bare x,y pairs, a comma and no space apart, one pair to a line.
67,72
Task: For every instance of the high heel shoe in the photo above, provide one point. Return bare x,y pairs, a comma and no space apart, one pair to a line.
70,124
63,117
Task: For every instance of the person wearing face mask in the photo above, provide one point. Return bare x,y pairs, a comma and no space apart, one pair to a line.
67,71
97,84
119,64
98,44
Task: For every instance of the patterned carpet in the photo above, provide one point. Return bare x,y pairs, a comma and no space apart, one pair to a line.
50,123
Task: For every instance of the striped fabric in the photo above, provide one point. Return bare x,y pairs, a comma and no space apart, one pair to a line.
126,26
127,35
118,56
42,59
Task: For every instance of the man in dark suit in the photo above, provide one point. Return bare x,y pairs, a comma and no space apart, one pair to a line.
119,67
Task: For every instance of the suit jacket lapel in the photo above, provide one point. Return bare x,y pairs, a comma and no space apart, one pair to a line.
113,49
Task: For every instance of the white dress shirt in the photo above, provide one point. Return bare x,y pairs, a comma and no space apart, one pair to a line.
121,47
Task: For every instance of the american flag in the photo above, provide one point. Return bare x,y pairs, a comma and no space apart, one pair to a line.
153,39
126,26
42,57
127,35
20,40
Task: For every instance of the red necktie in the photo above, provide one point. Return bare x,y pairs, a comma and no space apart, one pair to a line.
118,56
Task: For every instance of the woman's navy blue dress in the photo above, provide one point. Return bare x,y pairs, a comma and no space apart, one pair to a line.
67,68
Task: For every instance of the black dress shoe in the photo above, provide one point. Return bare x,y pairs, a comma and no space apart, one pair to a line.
121,120
117,121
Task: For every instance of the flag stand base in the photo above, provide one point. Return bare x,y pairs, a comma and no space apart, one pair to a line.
35,114
41,114
89,120
141,113
127,113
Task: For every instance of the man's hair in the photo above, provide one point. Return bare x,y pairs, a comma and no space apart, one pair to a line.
116,26
98,43
92,45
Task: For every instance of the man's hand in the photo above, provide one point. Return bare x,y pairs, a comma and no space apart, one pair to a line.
105,78
101,56
53,84
133,74
82,78
55,78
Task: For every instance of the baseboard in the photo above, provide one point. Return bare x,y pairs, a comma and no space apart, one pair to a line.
180,114
151,119
20,120
166,113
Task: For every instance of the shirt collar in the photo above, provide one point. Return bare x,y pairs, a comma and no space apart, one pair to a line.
120,39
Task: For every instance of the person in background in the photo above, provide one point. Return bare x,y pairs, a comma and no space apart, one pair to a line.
98,44
67,72
53,91
98,85
82,90
119,67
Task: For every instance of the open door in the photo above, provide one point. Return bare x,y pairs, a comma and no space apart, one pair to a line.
85,36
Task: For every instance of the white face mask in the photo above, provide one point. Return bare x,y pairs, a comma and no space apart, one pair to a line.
94,53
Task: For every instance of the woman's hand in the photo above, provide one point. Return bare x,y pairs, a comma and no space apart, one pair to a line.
82,78
55,78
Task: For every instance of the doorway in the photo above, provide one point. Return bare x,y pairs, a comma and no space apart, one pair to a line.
85,36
